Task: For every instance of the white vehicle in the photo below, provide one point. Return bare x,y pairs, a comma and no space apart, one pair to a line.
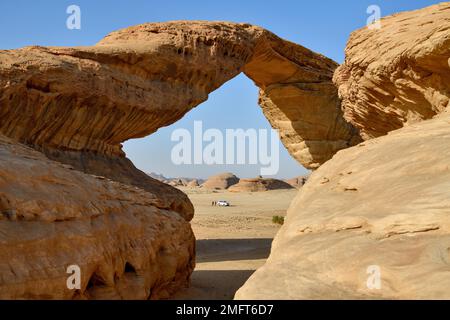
223,203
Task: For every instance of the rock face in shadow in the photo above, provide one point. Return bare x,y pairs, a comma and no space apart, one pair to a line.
258,185
126,244
379,210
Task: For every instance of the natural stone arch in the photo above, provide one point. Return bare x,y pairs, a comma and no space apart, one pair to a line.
82,103
78,104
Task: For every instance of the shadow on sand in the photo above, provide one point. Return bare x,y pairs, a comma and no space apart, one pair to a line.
223,266
214,284
214,250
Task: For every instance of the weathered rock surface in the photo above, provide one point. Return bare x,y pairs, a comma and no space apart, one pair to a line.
77,105
52,216
258,185
84,102
385,202
398,74
221,181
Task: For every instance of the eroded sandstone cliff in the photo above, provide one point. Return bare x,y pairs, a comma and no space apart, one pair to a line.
53,216
381,206
383,203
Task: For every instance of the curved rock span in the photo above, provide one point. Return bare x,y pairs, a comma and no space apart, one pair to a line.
84,102
221,181
74,198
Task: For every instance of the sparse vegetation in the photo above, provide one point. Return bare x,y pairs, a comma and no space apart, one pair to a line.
278,220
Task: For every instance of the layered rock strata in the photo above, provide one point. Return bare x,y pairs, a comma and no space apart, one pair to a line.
52,217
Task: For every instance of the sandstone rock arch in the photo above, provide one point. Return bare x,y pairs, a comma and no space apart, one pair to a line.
78,105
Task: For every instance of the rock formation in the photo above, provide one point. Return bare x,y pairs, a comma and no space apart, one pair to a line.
381,206
157,176
298,182
193,183
74,198
385,203
84,102
259,184
53,217
221,181
77,105
399,74
177,183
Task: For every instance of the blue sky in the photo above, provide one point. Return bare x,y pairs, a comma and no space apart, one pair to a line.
323,26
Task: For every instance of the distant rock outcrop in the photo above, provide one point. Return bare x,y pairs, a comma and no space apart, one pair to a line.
259,184
193,183
297,182
177,183
157,176
221,181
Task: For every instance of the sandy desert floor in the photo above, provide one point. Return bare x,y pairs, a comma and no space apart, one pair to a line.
232,242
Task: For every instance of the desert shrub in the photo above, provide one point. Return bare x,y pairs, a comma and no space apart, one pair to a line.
278,220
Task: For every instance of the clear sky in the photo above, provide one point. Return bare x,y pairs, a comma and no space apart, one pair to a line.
322,25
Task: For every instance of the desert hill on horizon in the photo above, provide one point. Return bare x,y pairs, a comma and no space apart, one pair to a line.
215,182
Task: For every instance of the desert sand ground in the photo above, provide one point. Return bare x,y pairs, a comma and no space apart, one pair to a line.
232,242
